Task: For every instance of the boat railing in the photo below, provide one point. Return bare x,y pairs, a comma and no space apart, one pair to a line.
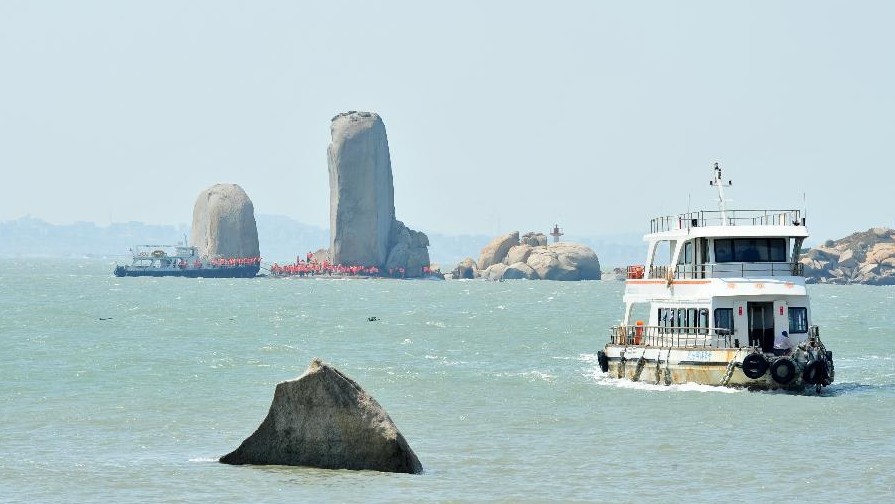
716,270
702,218
661,336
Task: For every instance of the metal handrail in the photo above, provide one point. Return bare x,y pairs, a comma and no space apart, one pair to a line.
661,336
704,218
717,270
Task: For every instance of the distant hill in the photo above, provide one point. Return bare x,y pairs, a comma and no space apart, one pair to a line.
31,237
282,239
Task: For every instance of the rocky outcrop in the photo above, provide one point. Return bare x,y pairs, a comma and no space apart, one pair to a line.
410,249
224,223
530,257
494,272
565,261
520,271
466,269
866,257
518,253
497,250
324,419
363,228
534,239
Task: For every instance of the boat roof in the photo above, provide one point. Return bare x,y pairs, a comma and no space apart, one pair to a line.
728,224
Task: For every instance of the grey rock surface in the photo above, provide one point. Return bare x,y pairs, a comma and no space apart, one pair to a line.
495,251
409,250
224,223
534,239
518,253
466,269
520,271
325,419
494,272
363,228
362,199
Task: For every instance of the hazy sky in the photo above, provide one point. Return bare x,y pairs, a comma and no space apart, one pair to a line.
500,115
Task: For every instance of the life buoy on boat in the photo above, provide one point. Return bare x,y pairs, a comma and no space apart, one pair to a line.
638,332
783,371
755,366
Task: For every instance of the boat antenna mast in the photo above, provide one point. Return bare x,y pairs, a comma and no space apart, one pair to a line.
719,185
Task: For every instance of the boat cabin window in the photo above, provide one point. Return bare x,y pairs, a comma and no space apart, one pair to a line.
750,250
798,320
689,320
686,256
724,319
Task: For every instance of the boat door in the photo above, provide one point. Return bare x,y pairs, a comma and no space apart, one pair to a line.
761,325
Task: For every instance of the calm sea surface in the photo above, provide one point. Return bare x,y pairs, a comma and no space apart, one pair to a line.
495,385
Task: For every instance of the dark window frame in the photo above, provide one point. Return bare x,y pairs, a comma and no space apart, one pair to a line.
798,319
718,321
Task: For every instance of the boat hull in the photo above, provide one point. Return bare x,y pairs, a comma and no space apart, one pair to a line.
729,367
246,271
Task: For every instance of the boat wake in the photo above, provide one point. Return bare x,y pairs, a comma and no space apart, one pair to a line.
848,389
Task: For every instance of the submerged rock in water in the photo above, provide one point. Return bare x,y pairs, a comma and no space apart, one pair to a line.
324,419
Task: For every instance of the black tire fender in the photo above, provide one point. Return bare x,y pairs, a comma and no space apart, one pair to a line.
755,366
603,361
783,371
815,372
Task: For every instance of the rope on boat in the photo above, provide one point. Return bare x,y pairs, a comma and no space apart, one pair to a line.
667,370
640,364
730,367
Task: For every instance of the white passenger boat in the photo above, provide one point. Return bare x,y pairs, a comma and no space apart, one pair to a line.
184,261
721,300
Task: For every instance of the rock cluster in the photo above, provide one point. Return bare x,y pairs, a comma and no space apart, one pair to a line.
363,228
325,419
224,223
866,257
529,257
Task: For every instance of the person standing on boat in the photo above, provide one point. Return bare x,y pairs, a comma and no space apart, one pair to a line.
782,344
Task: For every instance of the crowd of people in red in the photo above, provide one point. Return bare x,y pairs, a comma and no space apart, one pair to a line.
310,267
236,261
305,268
219,262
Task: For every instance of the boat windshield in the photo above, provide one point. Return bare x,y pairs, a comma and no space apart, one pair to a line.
750,250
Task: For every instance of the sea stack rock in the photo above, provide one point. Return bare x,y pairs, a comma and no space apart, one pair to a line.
224,223
324,419
363,228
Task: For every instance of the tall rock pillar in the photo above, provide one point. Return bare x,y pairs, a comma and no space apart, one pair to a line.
362,194
224,223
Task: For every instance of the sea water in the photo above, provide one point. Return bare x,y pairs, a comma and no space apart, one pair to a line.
129,389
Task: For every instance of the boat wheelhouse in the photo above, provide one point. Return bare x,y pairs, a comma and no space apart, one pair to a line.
720,300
